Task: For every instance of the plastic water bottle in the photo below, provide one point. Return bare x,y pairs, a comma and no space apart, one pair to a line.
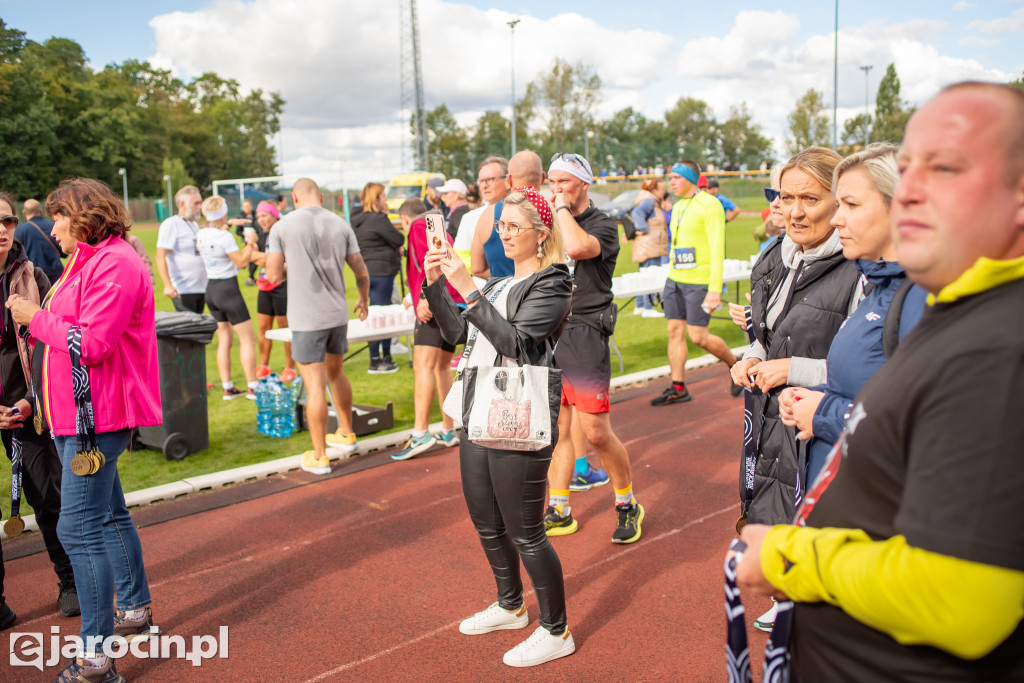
281,409
263,415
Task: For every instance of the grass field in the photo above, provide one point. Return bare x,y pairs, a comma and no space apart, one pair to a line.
234,440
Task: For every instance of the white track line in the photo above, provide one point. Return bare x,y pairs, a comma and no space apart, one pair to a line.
363,660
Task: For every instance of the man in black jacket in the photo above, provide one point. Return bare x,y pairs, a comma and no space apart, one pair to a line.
40,246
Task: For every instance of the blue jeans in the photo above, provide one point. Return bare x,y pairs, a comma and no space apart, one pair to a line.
646,300
100,537
380,295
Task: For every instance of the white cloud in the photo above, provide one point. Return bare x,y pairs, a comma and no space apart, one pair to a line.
962,5
977,41
1012,25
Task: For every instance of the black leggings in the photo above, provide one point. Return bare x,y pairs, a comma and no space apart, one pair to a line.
505,493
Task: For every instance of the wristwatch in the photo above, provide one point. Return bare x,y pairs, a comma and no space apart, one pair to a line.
566,207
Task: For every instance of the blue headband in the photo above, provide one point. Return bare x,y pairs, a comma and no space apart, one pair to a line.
686,172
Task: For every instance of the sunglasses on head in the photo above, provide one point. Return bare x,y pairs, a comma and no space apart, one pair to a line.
771,195
571,158
9,221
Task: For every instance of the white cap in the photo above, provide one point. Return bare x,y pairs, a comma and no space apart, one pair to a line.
454,185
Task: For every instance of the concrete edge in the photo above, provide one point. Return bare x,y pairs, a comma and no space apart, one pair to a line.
291,463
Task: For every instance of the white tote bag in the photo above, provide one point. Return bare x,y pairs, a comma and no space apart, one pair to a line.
511,408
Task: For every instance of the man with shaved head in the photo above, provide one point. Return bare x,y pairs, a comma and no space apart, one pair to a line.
40,246
316,244
907,558
488,256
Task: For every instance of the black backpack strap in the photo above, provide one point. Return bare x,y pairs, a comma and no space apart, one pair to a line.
891,326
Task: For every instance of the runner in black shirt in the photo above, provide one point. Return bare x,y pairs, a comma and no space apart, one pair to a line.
592,240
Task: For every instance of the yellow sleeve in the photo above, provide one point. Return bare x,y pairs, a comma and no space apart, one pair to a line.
716,240
916,596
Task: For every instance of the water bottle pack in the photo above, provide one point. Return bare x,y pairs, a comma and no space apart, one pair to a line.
275,407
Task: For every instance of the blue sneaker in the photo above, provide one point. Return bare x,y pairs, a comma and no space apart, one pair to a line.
448,439
584,481
414,446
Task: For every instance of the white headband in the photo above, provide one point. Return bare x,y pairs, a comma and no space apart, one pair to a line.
214,216
573,167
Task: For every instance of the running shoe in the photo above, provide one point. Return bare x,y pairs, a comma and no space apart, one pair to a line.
494,618
398,348
315,465
542,646
79,671
346,442
136,627
250,394
584,481
627,527
7,617
556,525
449,438
233,393
766,621
653,313
638,311
262,371
414,446
67,599
671,395
288,375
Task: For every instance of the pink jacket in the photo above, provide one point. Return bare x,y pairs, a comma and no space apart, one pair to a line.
106,291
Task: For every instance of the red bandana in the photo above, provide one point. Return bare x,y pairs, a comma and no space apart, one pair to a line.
539,203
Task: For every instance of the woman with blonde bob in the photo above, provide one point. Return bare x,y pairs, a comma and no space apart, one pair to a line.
519,319
801,291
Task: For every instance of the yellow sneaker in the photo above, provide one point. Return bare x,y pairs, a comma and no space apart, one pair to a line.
315,465
346,442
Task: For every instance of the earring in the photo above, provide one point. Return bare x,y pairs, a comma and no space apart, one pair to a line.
540,250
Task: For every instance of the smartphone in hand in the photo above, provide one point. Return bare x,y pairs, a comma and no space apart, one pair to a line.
437,238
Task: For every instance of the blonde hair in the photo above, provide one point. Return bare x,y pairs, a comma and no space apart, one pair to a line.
817,162
213,204
552,250
879,161
369,196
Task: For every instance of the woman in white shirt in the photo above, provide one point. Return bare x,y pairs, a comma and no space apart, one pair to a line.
223,259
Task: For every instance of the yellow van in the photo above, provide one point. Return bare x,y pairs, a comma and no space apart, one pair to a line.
407,186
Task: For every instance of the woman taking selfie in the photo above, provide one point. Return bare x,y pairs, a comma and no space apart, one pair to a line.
95,372
518,318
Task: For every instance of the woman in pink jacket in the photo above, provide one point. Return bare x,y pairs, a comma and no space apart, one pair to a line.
96,377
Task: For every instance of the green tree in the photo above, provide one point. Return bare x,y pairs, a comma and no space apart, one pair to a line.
856,130
567,94
808,123
891,113
692,124
740,140
1019,83
492,134
447,144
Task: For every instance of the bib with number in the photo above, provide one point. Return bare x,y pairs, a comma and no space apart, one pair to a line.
684,258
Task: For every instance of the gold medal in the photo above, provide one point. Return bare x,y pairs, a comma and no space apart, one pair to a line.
83,464
13,527
741,522
101,460
38,424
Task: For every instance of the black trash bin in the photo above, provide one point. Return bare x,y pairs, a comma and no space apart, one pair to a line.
180,341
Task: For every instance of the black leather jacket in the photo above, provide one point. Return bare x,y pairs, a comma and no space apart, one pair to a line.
537,309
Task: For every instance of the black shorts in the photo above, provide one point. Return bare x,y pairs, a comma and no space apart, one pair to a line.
224,299
429,334
188,302
273,302
582,355
683,302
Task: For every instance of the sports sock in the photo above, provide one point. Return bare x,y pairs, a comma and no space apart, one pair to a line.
559,499
254,384
135,613
623,496
679,386
582,466
228,385
419,433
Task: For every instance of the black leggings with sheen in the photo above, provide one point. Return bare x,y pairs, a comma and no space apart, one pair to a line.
505,492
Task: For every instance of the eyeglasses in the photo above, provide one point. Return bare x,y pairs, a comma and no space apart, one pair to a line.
771,195
513,229
9,222
492,179
572,159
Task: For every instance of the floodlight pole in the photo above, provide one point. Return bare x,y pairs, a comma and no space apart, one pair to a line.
170,199
124,181
512,25
586,145
866,69
835,84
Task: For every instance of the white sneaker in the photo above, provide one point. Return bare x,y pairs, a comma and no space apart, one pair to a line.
639,311
494,618
398,347
766,621
540,647
653,313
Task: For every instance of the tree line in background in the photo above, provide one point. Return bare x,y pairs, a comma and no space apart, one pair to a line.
61,118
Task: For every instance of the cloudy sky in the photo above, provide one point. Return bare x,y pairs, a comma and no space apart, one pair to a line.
336,62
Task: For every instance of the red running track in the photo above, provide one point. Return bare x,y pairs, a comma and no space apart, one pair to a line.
366,576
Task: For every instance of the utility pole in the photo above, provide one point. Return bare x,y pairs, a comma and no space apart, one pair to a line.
124,178
867,128
411,68
835,84
512,25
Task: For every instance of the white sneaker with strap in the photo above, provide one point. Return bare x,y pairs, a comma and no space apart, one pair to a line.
494,618
542,646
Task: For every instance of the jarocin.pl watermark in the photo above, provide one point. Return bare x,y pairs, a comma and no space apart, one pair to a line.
28,649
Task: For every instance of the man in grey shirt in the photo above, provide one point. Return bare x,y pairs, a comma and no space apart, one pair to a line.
315,244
